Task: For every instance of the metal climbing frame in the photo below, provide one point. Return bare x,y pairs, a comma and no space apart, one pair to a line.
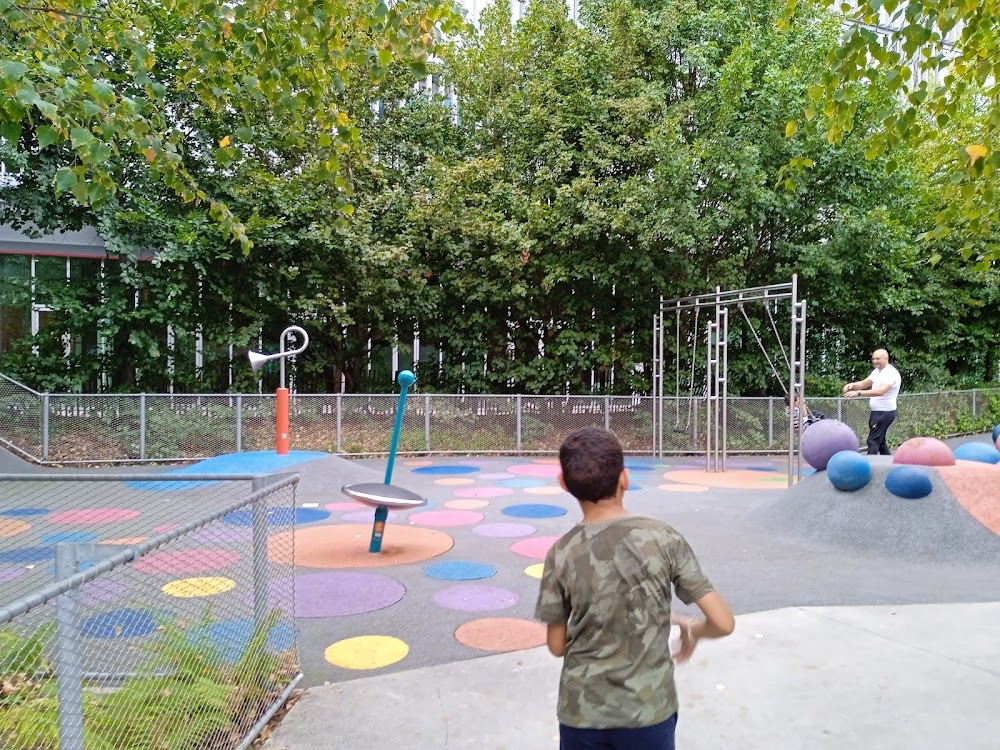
717,365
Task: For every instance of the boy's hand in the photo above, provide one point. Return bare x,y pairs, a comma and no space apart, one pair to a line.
688,641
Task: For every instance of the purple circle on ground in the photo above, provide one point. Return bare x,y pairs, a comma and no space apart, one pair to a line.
9,574
496,475
367,516
222,535
475,597
446,518
483,492
550,471
452,469
337,594
504,530
102,591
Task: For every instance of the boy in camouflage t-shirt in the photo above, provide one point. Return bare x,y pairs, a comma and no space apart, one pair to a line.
605,598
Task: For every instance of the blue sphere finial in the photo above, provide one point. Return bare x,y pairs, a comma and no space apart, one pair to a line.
406,378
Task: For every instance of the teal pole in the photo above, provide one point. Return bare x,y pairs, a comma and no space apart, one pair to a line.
405,380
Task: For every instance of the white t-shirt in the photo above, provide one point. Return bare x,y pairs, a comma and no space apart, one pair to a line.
887,375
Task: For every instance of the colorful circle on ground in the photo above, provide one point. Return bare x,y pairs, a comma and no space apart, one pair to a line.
638,467
346,546
366,652
24,512
501,634
536,570
338,594
222,535
475,597
446,469
454,481
10,528
80,537
277,516
634,487
459,570
546,461
536,548
230,638
164,527
27,555
125,540
93,515
186,561
466,504
483,492
496,475
446,518
103,591
504,530
534,510
9,574
368,515
345,505
549,471
737,479
973,485
682,488
193,588
521,483
418,463
546,490
118,623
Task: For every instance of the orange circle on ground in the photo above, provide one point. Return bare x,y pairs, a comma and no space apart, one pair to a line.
466,504
547,461
737,479
346,546
975,487
126,540
683,488
501,634
9,527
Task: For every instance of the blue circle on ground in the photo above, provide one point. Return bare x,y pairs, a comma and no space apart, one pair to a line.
118,623
634,487
449,469
69,536
459,570
16,512
761,468
848,471
638,467
981,452
230,638
521,483
909,482
27,555
534,510
277,516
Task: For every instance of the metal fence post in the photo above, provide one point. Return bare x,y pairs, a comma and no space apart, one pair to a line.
518,421
259,552
427,423
69,670
973,402
770,421
239,422
840,410
45,426
607,413
339,408
142,425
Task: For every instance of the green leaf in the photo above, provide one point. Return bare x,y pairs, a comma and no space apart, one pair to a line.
47,135
65,179
791,129
11,70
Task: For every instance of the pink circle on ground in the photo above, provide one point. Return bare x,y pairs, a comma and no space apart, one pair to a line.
9,574
445,518
683,488
475,597
496,475
344,506
536,548
93,515
504,529
536,470
164,527
186,561
368,515
466,504
483,492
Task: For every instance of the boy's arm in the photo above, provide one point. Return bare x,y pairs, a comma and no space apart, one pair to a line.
555,638
718,623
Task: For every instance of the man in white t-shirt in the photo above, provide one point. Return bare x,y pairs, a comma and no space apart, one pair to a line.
881,387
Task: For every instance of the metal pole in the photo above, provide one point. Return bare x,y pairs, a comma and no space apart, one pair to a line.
45,426
725,384
607,413
718,378
239,422
518,421
259,553
69,664
709,395
794,394
770,420
427,423
802,369
339,417
142,425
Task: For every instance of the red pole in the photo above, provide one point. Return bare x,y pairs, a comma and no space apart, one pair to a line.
281,412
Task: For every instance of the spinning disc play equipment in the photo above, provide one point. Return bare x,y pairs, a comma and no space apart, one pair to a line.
386,496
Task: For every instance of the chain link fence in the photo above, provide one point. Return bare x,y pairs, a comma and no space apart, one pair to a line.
123,624
80,428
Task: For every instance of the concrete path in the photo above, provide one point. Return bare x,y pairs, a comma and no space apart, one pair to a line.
921,677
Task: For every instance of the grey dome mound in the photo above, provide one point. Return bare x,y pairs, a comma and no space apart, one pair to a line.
872,520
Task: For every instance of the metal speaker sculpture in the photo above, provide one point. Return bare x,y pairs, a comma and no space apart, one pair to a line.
257,360
385,496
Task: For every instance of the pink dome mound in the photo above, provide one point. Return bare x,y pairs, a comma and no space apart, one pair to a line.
924,451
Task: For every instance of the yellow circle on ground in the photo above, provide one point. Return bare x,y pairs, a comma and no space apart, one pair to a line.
454,480
535,571
190,588
10,527
366,652
544,490
683,488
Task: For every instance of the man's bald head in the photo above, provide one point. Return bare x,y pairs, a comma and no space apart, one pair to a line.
880,358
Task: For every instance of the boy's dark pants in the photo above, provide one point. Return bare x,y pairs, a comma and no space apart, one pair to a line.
878,426
657,737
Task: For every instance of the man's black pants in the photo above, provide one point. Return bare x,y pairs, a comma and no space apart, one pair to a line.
878,426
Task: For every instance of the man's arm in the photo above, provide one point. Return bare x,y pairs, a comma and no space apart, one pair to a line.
858,386
555,638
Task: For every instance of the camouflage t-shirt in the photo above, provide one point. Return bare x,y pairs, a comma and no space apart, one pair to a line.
611,582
